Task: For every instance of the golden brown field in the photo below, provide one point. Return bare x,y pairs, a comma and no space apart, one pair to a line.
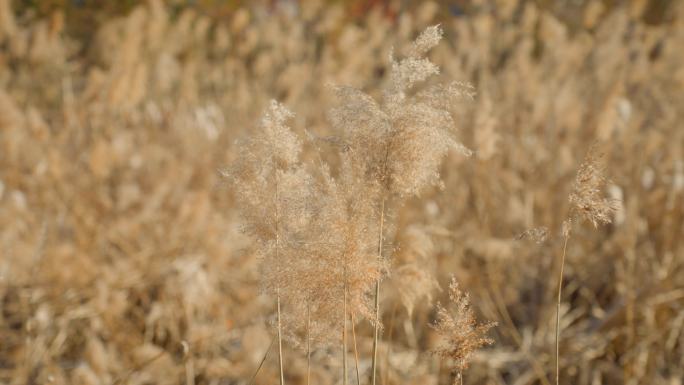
156,207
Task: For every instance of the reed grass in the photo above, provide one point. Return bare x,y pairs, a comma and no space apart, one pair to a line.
120,243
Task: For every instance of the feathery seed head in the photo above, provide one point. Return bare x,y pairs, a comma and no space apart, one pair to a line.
269,157
427,40
536,234
462,333
586,199
399,143
277,136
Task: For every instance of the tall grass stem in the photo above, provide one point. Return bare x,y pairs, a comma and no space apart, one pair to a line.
356,350
377,296
558,302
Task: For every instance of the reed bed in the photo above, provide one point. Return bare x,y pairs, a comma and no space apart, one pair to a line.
157,208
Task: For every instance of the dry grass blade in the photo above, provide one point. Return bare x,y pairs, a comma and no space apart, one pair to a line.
261,363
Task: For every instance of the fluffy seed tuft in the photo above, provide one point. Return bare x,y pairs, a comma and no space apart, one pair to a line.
459,328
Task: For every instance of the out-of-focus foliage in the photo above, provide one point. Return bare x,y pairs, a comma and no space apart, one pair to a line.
121,259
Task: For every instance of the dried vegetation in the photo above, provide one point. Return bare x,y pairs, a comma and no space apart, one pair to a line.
127,256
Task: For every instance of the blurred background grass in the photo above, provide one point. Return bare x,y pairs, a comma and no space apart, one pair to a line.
119,243
83,16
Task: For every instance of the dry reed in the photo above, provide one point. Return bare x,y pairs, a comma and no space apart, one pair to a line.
120,243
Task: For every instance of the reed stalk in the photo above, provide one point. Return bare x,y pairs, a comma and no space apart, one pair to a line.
277,241
377,295
344,336
251,381
356,350
308,343
558,302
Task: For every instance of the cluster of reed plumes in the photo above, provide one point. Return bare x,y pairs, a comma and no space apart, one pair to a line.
320,255
127,256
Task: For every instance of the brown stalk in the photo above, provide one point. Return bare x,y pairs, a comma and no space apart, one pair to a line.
277,240
439,371
631,297
356,351
558,301
385,377
377,296
344,335
308,343
280,342
124,378
251,382
189,366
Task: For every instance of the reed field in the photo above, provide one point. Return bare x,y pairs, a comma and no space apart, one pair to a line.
325,192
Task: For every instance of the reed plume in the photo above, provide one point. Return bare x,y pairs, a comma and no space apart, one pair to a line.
396,145
271,189
586,203
329,252
348,270
461,332
587,199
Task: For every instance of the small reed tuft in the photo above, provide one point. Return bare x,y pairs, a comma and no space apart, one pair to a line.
462,333
586,199
586,202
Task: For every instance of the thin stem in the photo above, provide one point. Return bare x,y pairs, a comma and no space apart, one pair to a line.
344,336
385,377
189,372
262,360
631,297
377,296
277,241
308,343
280,342
356,351
558,301
439,371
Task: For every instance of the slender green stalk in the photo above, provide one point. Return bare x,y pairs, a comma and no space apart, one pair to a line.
558,302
